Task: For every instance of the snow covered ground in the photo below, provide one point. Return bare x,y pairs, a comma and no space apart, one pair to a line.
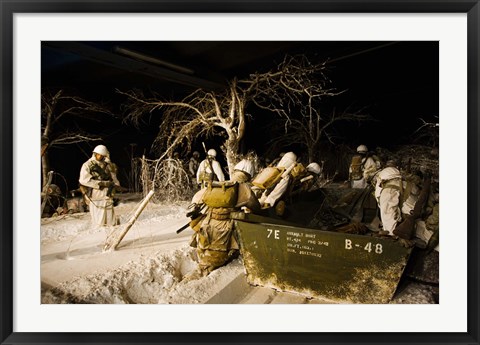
150,263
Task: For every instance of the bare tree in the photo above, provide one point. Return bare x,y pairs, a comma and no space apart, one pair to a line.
167,179
292,90
56,108
201,113
295,91
428,132
310,131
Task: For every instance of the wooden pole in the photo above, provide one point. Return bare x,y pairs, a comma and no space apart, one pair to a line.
113,246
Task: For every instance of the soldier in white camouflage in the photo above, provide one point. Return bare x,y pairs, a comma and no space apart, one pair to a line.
209,169
362,167
97,180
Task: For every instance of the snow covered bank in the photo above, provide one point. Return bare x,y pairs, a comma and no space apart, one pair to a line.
149,265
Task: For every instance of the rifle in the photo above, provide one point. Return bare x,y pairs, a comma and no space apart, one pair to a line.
103,175
182,228
194,214
110,190
99,173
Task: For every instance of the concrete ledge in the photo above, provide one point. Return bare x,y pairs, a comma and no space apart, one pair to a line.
233,292
238,291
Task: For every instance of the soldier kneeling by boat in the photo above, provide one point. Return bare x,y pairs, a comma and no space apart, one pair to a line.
215,237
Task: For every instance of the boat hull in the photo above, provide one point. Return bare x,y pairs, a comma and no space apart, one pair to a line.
342,268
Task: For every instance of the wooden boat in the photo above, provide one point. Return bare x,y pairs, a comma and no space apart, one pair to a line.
299,253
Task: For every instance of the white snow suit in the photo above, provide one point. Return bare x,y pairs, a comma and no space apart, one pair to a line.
388,191
209,168
361,170
101,205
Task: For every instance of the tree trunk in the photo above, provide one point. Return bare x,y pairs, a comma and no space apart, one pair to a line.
231,146
313,151
45,168
311,154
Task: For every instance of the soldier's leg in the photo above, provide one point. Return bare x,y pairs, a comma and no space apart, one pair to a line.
209,260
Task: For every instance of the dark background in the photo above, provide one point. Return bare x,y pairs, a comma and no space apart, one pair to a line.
395,82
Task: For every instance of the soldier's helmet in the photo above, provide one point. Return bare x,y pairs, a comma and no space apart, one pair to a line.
212,153
287,160
245,165
362,149
391,163
314,168
101,150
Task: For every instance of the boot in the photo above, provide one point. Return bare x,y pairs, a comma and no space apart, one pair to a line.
192,275
280,208
197,273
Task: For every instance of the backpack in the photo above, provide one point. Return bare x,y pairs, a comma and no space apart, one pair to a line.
205,176
356,168
298,171
221,194
268,177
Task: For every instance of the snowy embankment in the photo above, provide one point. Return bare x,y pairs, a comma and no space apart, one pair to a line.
149,265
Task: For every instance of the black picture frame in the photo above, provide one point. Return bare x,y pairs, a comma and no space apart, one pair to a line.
10,7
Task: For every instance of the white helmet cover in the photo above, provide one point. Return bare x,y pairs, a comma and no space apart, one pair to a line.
389,173
314,168
101,150
212,153
288,159
362,149
246,166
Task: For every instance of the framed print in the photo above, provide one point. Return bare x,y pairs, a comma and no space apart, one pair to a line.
434,40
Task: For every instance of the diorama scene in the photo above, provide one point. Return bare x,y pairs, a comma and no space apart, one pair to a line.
239,172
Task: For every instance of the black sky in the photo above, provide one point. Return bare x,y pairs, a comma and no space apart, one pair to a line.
395,82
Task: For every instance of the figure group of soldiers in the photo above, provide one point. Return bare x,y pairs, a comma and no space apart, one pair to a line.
214,237
401,196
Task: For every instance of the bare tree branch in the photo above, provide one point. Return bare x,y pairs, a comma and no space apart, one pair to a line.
73,139
56,108
293,90
198,114
428,131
